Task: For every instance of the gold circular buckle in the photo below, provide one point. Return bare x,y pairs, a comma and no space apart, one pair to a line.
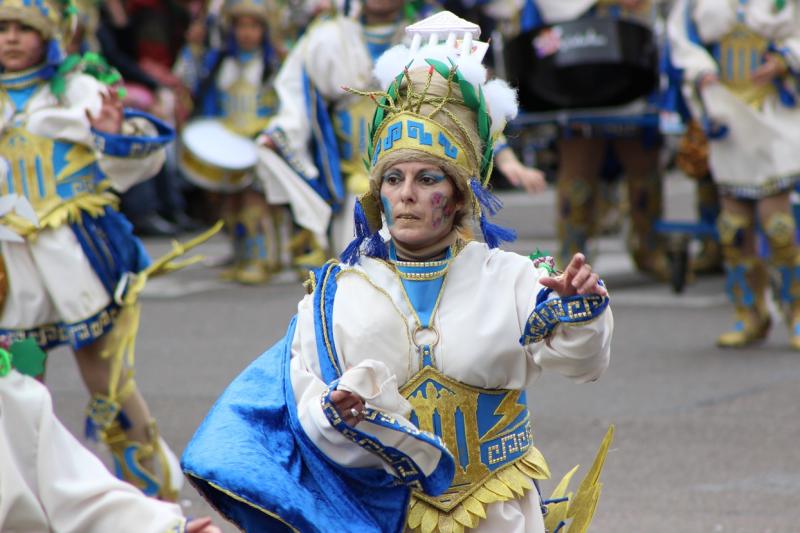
419,329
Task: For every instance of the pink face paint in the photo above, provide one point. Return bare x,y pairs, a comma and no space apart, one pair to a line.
442,209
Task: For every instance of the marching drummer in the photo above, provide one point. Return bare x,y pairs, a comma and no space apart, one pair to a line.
582,150
234,90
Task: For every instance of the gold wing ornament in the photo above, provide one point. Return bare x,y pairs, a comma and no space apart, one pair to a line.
575,513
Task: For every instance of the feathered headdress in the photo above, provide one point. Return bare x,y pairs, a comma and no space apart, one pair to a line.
51,18
56,20
255,8
438,106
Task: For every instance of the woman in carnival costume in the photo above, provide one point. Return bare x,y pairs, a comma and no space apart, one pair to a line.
64,143
397,398
741,62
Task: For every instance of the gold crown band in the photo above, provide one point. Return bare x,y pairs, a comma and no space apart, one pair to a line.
408,130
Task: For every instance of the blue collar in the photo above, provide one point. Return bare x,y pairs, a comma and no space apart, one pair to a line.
26,78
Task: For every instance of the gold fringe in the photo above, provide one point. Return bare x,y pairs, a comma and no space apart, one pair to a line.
56,212
508,483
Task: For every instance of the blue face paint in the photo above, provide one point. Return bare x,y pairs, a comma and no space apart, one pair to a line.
387,210
438,178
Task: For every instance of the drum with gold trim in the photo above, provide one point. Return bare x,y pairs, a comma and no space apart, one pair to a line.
215,158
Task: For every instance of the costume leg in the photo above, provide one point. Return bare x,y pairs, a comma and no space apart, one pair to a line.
230,206
746,276
250,233
579,163
780,229
118,415
307,254
643,179
709,260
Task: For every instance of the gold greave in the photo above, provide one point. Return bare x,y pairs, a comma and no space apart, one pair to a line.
746,286
648,249
746,283
149,466
307,254
709,260
781,230
251,265
575,216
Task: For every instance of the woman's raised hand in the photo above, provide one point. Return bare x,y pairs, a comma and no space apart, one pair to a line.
577,278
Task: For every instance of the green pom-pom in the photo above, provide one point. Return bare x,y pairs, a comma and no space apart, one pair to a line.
28,358
5,362
69,63
58,85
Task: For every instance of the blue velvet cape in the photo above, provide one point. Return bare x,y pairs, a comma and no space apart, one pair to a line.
253,462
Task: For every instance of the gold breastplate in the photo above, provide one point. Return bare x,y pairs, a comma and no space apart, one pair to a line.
489,434
44,170
740,53
243,108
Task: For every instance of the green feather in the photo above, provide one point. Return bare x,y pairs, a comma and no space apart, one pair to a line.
441,68
488,152
468,92
484,122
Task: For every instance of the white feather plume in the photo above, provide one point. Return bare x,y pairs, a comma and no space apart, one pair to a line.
501,99
390,64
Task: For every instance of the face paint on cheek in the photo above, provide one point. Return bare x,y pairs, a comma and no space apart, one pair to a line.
387,210
441,207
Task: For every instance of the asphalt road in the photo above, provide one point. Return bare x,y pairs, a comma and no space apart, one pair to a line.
707,440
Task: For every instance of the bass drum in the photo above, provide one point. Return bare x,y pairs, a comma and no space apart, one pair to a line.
593,62
214,158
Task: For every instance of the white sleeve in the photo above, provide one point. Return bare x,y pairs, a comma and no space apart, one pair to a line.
370,379
580,351
690,57
125,172
79,495
68,122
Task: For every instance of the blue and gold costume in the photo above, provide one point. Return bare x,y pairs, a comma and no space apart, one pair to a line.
441,351
722,49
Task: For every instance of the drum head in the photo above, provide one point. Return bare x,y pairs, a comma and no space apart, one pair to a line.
584,63
213,144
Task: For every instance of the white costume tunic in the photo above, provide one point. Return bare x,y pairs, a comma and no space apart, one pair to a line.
333,54
49,482
49,154
759,155
482,313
